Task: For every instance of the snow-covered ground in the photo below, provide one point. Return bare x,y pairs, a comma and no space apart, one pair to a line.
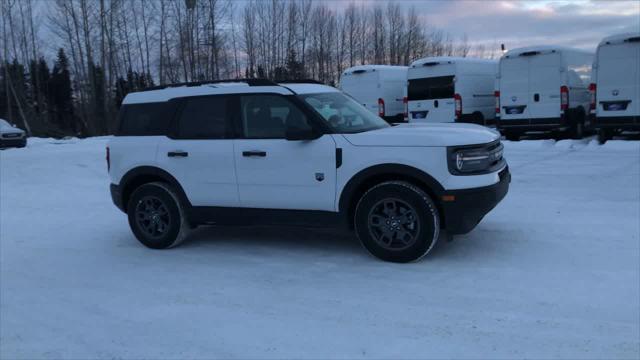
553,271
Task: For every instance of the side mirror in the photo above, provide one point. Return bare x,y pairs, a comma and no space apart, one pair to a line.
297,134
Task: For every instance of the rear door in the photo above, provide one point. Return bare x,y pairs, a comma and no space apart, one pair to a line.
430,99
364,87
199,152
514,88
618,87
544,85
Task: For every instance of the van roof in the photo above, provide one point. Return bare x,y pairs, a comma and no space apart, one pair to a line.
618,38
546,48
353,69
213,88
451,60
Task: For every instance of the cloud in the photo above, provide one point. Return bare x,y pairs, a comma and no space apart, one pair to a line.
581,23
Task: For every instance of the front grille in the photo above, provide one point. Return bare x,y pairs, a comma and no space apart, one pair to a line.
12,135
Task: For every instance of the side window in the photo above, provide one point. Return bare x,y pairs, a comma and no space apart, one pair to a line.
204,118
147,119
267,116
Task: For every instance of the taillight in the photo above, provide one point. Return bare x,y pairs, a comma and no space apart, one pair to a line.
564,98
497,95
592,92
405,104
380,107
108,159
458,100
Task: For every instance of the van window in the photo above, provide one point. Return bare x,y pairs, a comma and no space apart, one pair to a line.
204,118
441,87
147,119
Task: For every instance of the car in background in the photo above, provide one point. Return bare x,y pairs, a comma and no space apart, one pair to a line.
379,88
543,88
11,136
451,89
615,91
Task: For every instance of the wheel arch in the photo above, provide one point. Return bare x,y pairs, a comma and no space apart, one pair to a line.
141,175
373,175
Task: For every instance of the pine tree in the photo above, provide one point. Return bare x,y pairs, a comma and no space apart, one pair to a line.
61,103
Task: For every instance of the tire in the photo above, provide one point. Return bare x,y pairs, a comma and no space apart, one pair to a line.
577,125
156,216
603,136
397,221
512,136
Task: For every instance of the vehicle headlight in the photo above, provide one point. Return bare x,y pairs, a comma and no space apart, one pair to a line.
475,159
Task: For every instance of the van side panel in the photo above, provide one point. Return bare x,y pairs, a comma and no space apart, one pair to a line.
618,80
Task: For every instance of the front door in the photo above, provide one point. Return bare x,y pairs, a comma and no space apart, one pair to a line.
274,173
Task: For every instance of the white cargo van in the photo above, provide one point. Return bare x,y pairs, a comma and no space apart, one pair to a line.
543,88
615,101
451,89
379,88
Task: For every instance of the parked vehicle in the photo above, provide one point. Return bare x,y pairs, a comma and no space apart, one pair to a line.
11,136
260,152
615,91
379,88
451,89
543,88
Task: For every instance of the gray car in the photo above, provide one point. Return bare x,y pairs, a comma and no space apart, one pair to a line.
11,136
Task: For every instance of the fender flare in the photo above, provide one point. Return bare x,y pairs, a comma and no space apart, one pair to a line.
350,190
132,176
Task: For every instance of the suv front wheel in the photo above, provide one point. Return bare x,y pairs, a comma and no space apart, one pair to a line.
156,217
397,221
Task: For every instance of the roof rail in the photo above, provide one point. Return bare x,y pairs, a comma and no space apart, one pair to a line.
250,82
300,81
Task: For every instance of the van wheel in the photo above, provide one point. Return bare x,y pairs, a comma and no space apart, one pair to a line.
512,136
397,221
156,216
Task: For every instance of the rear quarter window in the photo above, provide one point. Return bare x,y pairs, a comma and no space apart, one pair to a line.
149,119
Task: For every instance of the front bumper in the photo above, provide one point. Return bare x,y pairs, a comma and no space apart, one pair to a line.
16,142
471,205
616,122
542,124
116,196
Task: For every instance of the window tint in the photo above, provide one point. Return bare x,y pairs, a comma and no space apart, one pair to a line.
267,116
204,118
145,119
441,87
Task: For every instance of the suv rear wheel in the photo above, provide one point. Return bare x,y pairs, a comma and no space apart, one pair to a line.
397,221
156,216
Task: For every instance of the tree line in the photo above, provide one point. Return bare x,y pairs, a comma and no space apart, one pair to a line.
67,64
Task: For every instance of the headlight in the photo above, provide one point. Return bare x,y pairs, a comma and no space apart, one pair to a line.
475,159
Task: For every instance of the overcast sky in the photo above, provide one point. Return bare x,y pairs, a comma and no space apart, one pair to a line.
578,23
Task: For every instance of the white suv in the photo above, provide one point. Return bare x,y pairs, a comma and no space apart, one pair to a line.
256,152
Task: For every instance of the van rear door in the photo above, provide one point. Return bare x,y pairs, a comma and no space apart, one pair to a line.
618,82
544,85
514,88
364,86
430,99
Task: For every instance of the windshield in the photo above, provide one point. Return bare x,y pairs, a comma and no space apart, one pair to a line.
343,114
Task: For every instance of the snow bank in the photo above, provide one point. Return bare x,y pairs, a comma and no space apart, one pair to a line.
552,272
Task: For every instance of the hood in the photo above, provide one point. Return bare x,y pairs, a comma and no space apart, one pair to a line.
446,134
10,129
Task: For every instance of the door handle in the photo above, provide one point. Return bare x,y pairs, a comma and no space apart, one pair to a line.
177,154
254,153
